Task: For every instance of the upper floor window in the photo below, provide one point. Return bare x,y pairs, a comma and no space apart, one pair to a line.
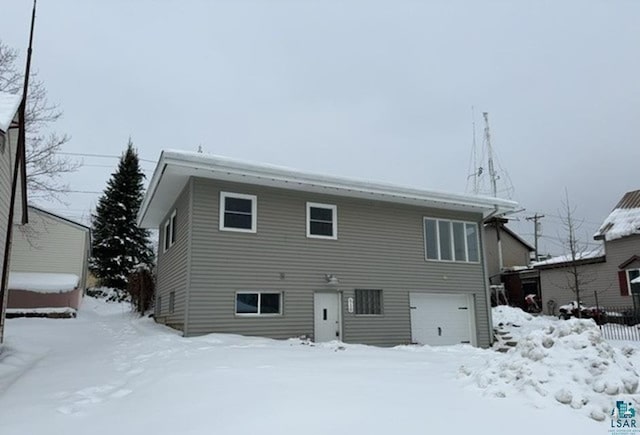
322,221
238,212
448,240
170,231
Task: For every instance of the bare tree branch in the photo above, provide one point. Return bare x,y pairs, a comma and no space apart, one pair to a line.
45,167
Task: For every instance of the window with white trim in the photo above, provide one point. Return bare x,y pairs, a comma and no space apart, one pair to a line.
368,302
172,302
170,231
447,240
258,303
634,288
322,221
238,212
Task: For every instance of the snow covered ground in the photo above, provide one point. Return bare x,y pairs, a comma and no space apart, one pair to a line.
108,372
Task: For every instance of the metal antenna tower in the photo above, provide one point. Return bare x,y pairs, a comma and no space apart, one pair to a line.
492,172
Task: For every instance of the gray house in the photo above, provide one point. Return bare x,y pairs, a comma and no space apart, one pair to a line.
9,105
262,250
607,271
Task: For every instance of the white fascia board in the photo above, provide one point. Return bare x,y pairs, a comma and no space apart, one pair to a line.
9,104
208,166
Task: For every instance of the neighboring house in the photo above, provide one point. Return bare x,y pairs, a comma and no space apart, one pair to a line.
49,261
607,271
508,260
261,250
9,105
504,249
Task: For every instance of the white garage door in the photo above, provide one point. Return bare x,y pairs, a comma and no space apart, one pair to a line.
441,319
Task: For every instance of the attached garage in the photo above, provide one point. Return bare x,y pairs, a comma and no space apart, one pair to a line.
439,319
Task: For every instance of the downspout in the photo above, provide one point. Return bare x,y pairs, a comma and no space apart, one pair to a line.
487,288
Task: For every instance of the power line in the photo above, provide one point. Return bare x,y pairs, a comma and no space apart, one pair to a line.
102,156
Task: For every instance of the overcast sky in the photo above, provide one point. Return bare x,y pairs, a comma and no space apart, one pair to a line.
367,89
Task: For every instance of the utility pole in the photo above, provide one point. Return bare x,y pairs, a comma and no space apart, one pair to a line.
536,226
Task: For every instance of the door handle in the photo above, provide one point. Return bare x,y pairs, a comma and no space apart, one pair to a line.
439,331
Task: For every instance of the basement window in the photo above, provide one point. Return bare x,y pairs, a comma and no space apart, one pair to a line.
258,303
172,302
369,302
238,212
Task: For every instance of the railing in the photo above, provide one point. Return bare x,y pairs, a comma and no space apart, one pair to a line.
620,323
616,323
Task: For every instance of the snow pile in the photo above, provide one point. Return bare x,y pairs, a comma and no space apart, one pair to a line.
568,361
43,282
506,315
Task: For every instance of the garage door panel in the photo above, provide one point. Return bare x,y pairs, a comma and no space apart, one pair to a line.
440,319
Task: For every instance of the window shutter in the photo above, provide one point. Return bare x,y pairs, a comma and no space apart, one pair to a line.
624,287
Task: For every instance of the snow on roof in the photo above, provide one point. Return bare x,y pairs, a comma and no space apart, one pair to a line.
624,220
9,104
584,255
176,167
43,282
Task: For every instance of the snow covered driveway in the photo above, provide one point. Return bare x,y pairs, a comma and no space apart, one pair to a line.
107,372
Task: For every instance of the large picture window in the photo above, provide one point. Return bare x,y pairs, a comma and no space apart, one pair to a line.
258,303
238,212
447,240
322,221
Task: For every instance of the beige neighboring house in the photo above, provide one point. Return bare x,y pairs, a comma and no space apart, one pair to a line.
610,271
504,249
49,261
9,105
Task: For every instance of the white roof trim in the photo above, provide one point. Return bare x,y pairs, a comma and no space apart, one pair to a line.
180,165
9,104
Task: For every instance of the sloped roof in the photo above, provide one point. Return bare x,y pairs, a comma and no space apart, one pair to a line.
585,257
9,104
624,220
176,167
59,218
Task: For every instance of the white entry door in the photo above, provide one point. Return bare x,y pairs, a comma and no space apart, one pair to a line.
441,319
327,316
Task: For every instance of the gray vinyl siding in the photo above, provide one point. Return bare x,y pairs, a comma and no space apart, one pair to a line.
600,277
379,246
172,264
7,159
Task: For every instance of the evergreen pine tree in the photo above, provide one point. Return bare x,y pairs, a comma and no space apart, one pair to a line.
119,245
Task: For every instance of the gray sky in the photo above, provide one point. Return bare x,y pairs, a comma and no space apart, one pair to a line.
367,89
